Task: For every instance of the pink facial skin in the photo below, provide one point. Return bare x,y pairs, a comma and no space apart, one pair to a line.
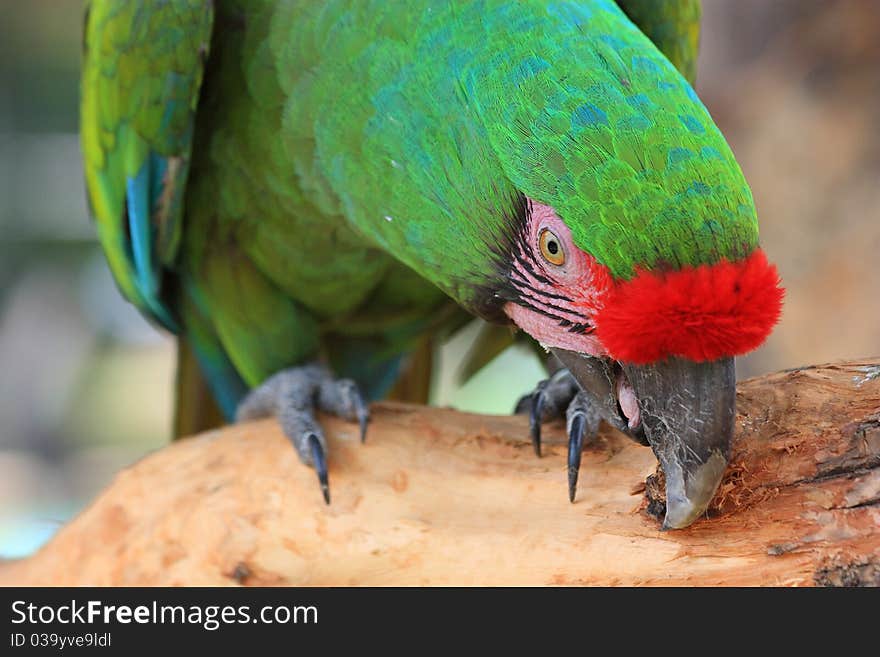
571,292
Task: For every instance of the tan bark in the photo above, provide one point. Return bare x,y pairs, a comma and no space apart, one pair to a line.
441,497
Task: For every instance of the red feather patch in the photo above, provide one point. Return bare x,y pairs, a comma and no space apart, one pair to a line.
700,313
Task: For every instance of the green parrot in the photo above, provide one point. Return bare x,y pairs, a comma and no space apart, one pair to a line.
312,193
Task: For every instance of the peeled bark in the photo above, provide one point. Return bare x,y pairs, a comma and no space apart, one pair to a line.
442,497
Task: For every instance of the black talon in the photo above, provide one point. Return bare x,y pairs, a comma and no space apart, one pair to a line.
535,418
320,464
575,447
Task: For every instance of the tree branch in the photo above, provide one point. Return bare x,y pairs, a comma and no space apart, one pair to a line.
441,497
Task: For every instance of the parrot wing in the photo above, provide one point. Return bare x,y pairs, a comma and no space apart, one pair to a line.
142,70
673,26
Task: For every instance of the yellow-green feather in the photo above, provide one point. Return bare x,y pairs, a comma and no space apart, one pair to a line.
673,26
142,71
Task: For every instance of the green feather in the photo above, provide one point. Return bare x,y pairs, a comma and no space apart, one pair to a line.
352,162
142,71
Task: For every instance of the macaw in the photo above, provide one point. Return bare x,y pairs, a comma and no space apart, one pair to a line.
311,193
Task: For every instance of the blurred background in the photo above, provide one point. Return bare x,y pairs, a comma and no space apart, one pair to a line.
85,382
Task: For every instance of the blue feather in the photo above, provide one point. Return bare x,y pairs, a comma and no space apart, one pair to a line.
222,377
138,199
141,192
225,383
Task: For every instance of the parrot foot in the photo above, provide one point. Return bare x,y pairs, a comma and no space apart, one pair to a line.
557,397
293,395
582,424
546,402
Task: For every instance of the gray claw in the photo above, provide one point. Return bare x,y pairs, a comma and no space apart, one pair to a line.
575,447
344,399
583,423
361,411
320,464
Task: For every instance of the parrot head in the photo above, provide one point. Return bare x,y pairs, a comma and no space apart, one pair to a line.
633,252
655,351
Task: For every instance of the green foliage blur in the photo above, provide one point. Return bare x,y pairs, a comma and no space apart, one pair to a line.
83,379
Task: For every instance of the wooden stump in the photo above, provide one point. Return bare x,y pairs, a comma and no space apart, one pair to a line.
442,497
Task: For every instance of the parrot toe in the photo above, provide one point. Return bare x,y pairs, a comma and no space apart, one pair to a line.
582,422
343,398
294,395
558,397
319,461
548,401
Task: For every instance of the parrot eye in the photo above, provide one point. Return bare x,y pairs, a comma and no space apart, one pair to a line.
551,247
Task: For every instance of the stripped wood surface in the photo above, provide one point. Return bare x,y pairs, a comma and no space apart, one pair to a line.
447,498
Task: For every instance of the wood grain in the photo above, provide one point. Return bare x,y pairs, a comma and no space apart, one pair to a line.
446,498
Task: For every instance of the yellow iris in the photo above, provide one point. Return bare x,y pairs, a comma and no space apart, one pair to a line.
551,247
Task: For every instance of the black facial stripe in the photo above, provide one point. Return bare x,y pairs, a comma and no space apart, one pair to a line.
549,295
522,302
525,265
528,298
525,246
582,329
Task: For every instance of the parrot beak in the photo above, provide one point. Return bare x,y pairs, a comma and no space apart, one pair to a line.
686,413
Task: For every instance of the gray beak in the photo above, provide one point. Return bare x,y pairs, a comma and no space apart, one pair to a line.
687,412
